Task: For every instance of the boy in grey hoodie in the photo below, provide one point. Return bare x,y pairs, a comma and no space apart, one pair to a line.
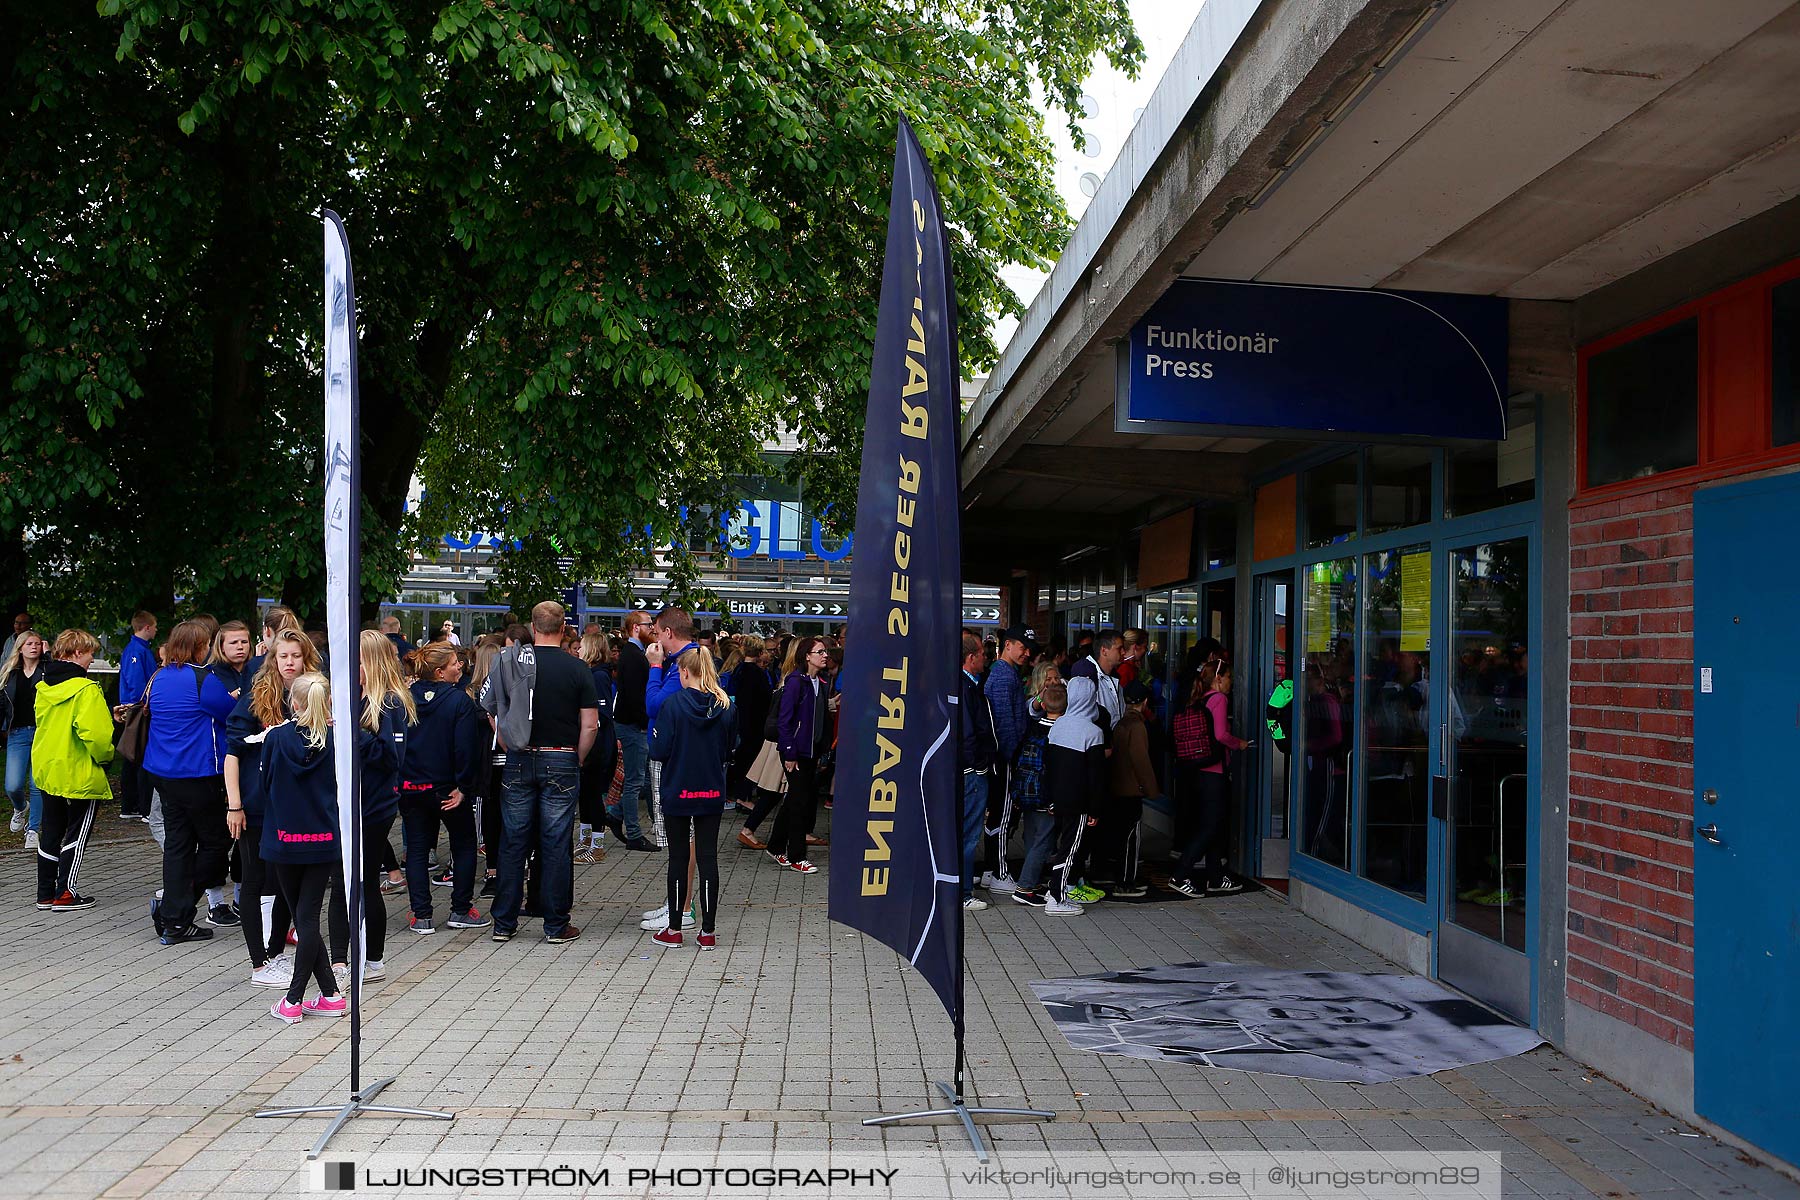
1073,785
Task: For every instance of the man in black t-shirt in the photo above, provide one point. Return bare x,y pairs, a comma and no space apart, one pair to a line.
541,689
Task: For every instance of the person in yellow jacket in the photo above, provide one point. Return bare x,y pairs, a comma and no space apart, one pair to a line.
69,753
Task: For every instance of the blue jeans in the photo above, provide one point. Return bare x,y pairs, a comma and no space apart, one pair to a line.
634,747
538,795
1040,844
974,817
18,775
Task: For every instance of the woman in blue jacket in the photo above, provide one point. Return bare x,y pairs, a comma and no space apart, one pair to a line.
262,706
184,758
300,838
694,736
803,731
437,783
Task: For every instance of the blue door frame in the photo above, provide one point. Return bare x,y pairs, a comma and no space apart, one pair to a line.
1444,536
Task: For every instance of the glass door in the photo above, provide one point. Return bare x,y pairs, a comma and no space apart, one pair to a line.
1488,786
1272,700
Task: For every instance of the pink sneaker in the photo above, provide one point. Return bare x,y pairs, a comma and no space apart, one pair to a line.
326,1006
666,937
708,941
281,1010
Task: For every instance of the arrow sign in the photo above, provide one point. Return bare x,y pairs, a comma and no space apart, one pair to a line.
993,614
837,610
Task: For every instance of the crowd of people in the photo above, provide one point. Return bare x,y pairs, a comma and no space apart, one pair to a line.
533,747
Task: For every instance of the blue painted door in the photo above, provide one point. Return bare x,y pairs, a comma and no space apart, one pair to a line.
1747,812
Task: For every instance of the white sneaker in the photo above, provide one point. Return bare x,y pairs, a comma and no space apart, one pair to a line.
1002,886
341,972
658,914
19,817
1062,908
974,904
374,969
276,973
654,923
31,842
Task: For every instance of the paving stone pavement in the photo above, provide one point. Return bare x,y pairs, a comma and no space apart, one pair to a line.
130,1070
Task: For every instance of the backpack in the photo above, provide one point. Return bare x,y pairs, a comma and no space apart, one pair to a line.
1028,770
1194,740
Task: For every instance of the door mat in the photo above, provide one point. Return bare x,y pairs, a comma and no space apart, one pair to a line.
1334,1026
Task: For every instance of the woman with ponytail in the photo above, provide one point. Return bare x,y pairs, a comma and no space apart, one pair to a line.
694,736
300,838
262,706
387,714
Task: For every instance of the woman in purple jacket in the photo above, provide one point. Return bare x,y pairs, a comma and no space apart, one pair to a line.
802,730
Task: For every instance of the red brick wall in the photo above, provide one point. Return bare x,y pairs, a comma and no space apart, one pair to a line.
1631,755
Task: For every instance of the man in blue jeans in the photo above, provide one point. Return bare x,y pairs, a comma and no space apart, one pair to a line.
631,675
547,714
977,753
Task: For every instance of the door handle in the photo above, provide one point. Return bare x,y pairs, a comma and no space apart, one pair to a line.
1711,834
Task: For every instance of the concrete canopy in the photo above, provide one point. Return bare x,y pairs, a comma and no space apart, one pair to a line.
1530,149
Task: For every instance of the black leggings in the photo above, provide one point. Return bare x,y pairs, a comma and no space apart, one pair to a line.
798,811
374,840
259,881
304,885
1206,849
706,863
490,816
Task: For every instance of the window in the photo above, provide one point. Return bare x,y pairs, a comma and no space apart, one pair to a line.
1399,488
1643,405
1218,533
1090,183
1784,300
1329,496
1327,700
1477,478
1396,760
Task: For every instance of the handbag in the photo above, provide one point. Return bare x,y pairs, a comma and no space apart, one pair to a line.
134,729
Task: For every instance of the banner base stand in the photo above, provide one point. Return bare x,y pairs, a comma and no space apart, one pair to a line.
358,1103
963,1112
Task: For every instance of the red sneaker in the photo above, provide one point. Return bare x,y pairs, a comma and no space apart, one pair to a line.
804,867
666,937
707,941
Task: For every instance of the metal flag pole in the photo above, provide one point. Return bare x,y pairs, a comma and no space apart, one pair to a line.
959,1106
343,587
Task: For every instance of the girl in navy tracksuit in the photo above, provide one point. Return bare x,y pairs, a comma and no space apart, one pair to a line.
694,736
437,782
300,837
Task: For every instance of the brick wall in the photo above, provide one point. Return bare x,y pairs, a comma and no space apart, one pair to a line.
1631,755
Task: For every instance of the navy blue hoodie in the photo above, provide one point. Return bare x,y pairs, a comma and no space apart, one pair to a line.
382,764
693,738
440,749
300,817
240,728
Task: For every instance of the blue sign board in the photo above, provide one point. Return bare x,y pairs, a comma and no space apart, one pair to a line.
1269,359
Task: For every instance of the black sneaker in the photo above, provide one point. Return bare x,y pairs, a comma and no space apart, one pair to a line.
70,902
1225,887
186,933
444,878
640,843
156,914
224,916
1186,887
502,935
1021,896
1135,891
490,886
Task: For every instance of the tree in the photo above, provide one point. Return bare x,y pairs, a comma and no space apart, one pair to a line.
603,248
